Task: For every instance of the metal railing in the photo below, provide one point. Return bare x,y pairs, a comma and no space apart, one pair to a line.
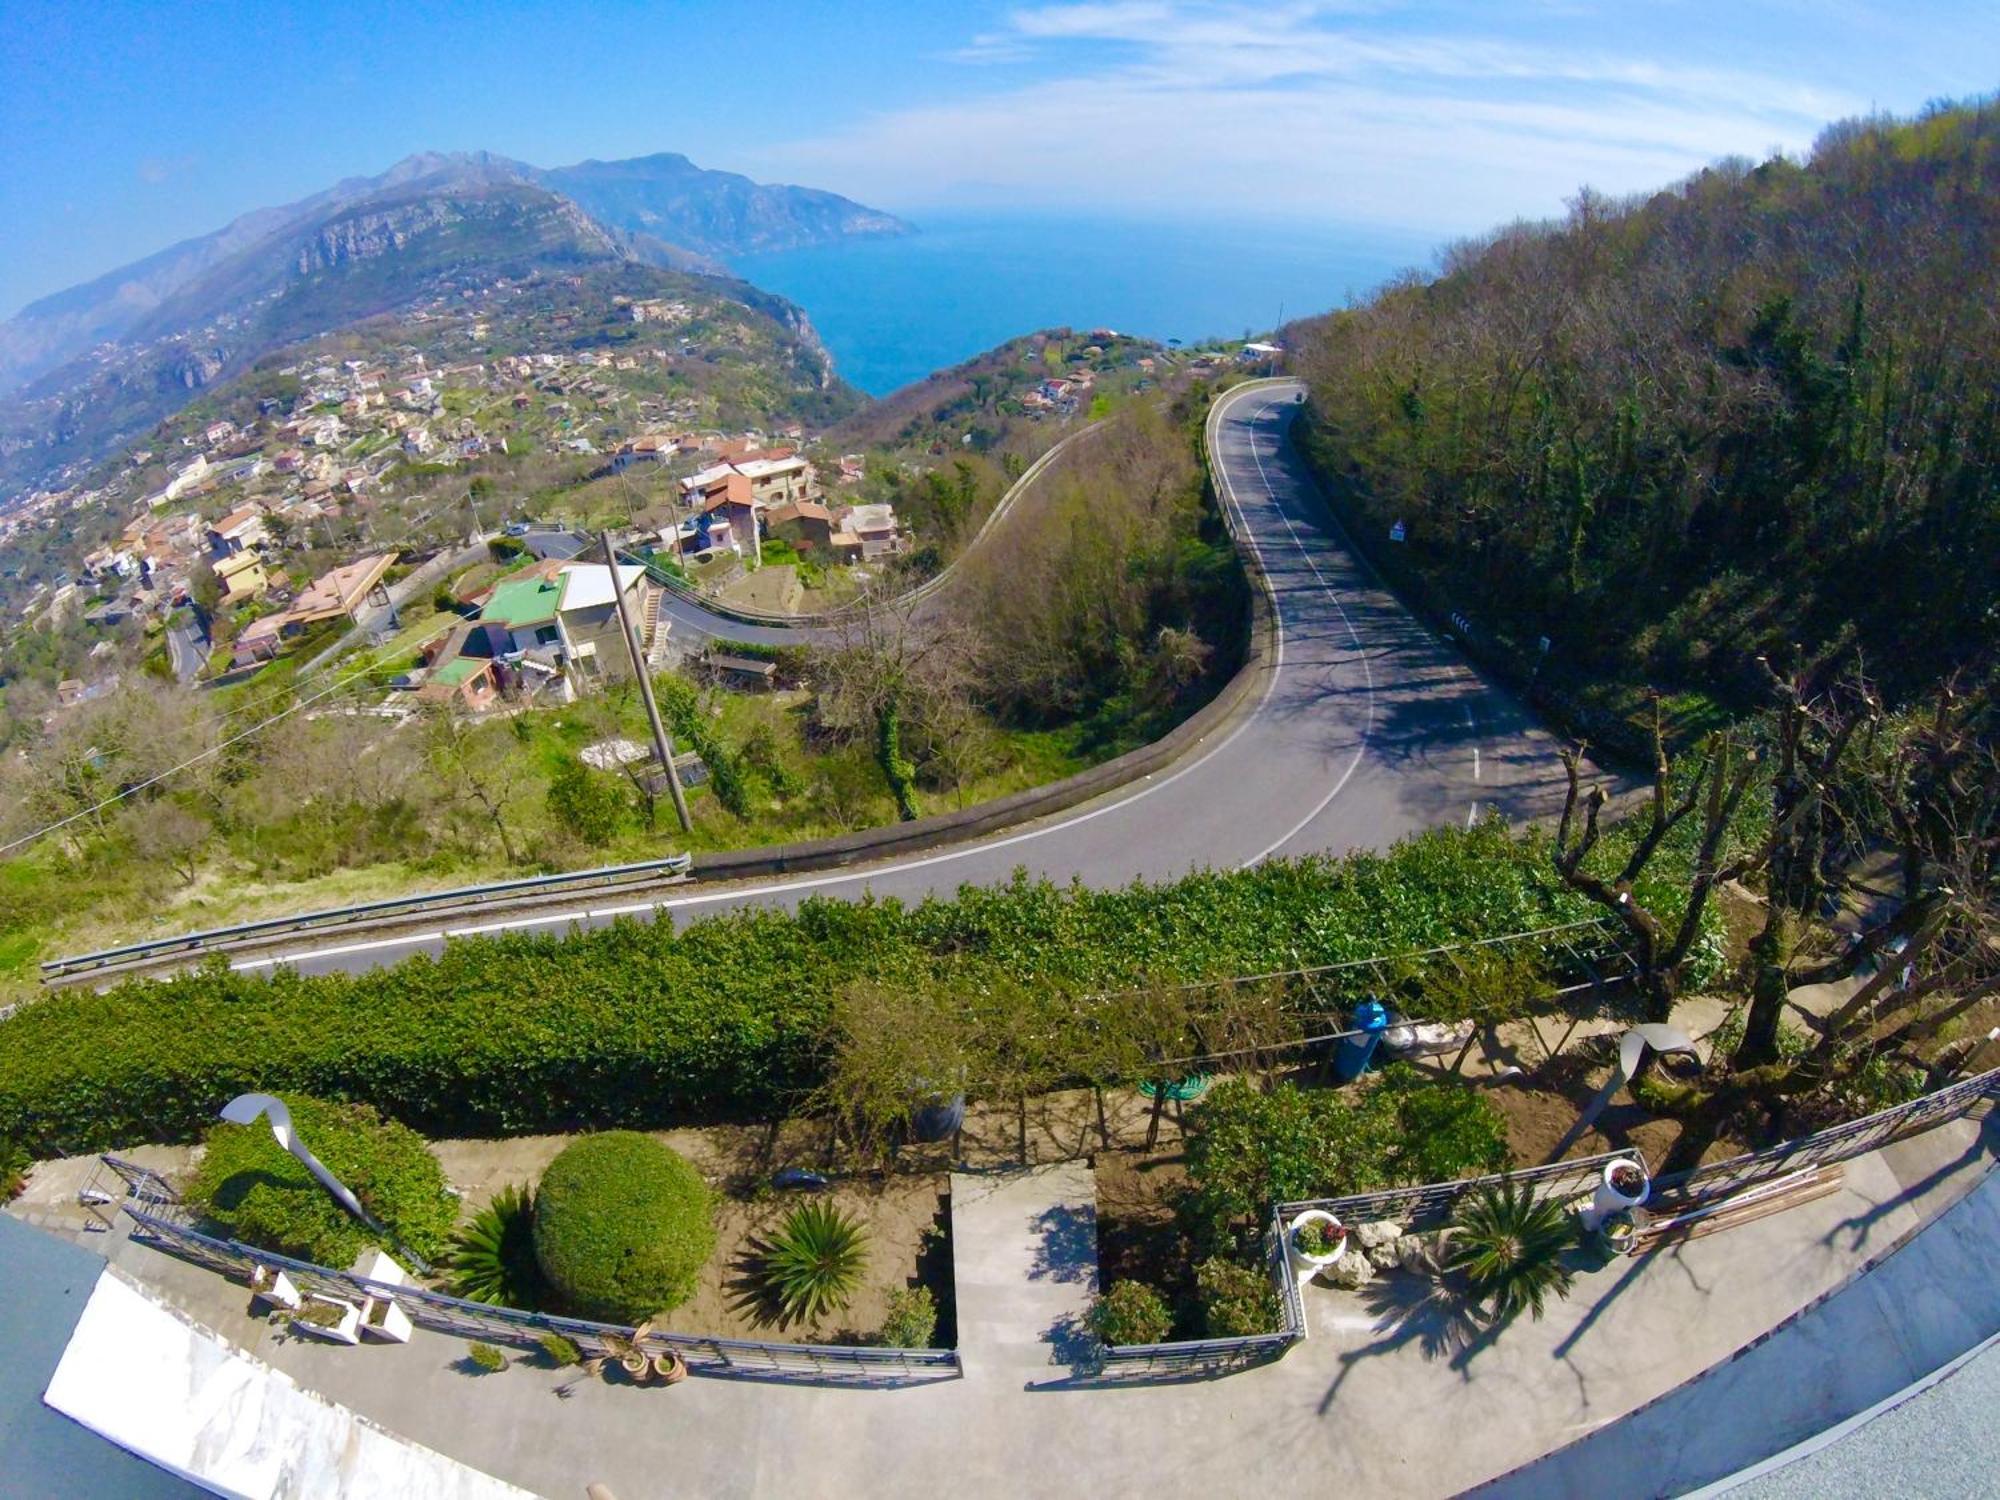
161,1220
1188,1359
604,878
1838,1143
1433,1201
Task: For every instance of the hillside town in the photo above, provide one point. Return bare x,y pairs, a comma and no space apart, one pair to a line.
305,509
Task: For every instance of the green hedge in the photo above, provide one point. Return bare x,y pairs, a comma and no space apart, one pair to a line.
623,1226
636,1024
256,1191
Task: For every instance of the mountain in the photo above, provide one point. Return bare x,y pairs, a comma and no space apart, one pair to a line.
666,211
89,367
715,213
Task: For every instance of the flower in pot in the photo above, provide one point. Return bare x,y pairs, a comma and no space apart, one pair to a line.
1315,1241
274,1286
329,1318
1617,1231
319,1314
670,1367
1624,1185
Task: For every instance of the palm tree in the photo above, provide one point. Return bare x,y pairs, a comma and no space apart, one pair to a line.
814,1265
1508,1245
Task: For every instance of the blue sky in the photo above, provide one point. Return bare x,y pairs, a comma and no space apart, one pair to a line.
126,127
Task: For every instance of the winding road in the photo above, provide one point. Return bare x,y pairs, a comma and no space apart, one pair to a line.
1366,727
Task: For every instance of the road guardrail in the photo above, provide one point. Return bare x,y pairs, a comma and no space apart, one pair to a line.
674,867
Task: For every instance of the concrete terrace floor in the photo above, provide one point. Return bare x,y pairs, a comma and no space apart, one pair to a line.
1369,1402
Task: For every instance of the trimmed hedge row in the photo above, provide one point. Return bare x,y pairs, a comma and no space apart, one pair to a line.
638,1025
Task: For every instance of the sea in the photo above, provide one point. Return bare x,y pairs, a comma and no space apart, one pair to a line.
894,310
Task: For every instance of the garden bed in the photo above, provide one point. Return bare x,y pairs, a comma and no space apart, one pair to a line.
1138,1235
902,1215
906,1216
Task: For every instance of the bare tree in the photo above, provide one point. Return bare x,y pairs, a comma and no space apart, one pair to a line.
475,769
1660,944
901,675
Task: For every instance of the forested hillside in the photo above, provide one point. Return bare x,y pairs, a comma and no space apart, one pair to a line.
1758,412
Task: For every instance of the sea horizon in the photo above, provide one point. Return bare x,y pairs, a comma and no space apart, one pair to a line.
895,309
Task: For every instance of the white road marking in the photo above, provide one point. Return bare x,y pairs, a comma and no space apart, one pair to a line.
1368,672
840,877
1472,815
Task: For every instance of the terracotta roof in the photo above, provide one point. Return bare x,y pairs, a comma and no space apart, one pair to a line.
341,590
734,491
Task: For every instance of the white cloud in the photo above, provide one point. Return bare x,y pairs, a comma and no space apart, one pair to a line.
1357,112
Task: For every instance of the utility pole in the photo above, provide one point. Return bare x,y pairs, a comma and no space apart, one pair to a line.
662,746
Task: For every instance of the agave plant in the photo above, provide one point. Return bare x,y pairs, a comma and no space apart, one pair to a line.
815,1263
492,1258
1508,1245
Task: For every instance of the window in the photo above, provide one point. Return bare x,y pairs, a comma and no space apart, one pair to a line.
548,635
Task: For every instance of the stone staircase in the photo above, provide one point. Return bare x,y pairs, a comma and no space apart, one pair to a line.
652,634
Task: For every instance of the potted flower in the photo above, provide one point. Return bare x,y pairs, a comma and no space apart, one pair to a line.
331,1318
1624,1186
383,1319
669,1367
1314,1241
1616,1232
274,1286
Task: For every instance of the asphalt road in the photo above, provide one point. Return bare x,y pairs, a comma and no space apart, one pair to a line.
187,646
1365,728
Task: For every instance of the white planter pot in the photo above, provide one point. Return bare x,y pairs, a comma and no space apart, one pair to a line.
1305,1266
346,1331
276,1288
1608,1200
382,1319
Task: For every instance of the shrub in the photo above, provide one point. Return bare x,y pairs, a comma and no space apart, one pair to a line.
256,1191
492,1257
1248,1149
1442,1130
487,1358
560,1350
1236,1300
638,1024
912,1319
13,1169
1508,1245
814,1263
587,803
1130,1313
622,1226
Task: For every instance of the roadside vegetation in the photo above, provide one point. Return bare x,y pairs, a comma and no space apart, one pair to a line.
1107,612
640,1025
1750,415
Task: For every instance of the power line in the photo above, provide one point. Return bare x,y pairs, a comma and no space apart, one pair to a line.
195,760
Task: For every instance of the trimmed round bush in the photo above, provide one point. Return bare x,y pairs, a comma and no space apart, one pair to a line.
255,1191
623,1226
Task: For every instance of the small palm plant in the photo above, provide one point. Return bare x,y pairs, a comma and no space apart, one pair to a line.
492,1258
815,1263
1508,1245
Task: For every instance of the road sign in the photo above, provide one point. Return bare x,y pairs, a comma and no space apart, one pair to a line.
1396,532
